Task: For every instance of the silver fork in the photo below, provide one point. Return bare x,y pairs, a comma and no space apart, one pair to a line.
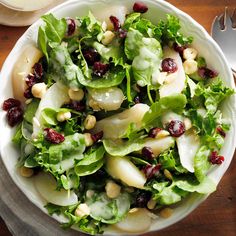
223,30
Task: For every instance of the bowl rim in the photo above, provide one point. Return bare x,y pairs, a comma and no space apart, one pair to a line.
175,11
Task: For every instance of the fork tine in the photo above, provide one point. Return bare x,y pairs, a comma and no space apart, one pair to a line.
233,19
215,27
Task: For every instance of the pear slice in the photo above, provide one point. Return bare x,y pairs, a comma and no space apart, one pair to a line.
176,84
22,68
122,168
136,221
46,186
54,98
159,145
114,127
188,144
117,11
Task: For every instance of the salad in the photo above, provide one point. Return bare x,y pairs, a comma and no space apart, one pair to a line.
117,119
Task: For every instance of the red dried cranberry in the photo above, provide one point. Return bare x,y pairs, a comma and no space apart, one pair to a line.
14,116
206,73
148,153
140,7
28,93
214,158
122,33
116,23
176,128
96,137
53,136
169,65
100,69
153,132
221,131
9,103
71,26
151,171
76,105
38,70
31,80
142,199
91,56
137,100
179,48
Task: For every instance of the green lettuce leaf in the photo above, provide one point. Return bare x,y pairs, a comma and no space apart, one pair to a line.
201,163
174,103
91,162
61,67
53,31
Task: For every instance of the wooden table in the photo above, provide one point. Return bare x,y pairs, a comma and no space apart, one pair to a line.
217,215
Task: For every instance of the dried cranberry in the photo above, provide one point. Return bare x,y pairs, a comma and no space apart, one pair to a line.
71,26
91,56
38,70
100,69
116,23
151,171
148,153
31,80
214,158
122,33
153,132
28,93
97,136
169,65
142,199
176,128
53,136
221,131
137,100
9,103
140,7
14,116
179,48
76,105
206,73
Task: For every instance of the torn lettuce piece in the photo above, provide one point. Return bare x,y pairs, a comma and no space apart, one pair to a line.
213,93
174,103
53,31
146,54
106,210
92,162
61,67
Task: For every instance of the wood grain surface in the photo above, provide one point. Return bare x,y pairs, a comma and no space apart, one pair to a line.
217,215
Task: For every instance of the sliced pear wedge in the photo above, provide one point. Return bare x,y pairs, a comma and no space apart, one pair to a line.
117,11
122,168
188,144
22,68
54,98
177,82
46,186
115,126
136,221
159,145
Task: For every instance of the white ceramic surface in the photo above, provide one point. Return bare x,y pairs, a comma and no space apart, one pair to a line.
157,10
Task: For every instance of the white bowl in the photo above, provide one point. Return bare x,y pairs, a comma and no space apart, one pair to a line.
157,10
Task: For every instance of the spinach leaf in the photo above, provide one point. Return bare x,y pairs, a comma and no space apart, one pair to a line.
53,31
91,162
175,103
61,67
108,210
31,109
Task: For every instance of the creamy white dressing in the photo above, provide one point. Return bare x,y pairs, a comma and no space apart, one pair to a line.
26,5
